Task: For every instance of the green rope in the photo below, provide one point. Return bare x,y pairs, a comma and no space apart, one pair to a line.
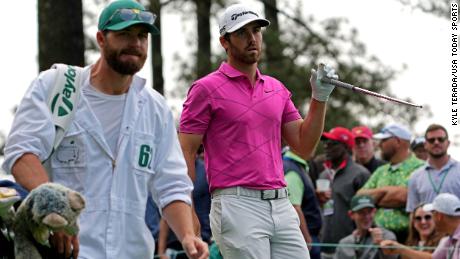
370,246
350,246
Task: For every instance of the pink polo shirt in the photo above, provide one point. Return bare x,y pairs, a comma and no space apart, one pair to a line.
241,127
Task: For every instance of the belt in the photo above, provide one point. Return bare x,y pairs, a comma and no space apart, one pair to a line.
261,194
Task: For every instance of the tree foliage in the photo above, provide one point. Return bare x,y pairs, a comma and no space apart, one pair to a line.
440,8
293,47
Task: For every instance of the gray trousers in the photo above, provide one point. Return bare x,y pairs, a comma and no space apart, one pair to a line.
249,227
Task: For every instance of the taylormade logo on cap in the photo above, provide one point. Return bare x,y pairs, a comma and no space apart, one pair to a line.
237,16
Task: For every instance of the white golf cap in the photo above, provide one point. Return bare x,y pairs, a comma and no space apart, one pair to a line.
445,203
237,16
394,130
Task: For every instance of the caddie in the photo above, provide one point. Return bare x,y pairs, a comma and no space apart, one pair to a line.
119,145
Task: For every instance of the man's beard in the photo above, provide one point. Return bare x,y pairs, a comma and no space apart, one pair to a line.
437,155
388,154
126,67
242,57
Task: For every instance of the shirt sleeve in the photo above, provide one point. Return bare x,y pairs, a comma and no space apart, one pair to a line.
33,129
171,181
441,250
290,112
295,187
196,112
412,196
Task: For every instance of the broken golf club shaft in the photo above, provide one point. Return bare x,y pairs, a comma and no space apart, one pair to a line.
364,91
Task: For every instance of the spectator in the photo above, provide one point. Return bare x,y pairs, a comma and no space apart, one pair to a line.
422,231
422,234
367,234
388,184
152,219
303,198
441,173
418,148
364,148
241,116
345,178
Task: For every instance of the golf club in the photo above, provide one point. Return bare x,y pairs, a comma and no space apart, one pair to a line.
364,91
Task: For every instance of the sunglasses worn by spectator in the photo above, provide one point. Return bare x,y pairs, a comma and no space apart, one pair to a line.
331,142
426,217
131,14
439,139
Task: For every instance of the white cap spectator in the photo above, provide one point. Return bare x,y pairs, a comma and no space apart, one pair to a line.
394,130
445,203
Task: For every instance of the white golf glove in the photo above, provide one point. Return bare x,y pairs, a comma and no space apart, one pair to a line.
321,91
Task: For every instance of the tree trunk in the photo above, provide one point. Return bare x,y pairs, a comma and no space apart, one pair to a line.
203,61
60,33
157,58
273,46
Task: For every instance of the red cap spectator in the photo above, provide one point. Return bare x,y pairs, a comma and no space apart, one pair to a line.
340,134
362,132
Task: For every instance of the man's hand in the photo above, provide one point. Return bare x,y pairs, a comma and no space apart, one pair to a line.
195,248
323,197
390,247
376,234
65,244
321,91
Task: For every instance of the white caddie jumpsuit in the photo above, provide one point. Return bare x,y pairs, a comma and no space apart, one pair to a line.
115,186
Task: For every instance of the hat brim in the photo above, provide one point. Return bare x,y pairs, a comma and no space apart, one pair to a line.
125,24
428,207
362,136
382,135
362,206
262,22
327,135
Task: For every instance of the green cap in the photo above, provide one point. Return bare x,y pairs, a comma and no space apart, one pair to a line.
109,20
361,201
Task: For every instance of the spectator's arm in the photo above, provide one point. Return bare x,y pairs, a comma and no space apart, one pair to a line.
377,193
303,226
296,190
394,197
190,144
413,198
396,248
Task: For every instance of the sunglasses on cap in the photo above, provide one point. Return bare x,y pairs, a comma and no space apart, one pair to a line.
439,139
131,14
427,217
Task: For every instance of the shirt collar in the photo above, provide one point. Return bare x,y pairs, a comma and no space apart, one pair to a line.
456,234
451,162
343,164
232,72
289,154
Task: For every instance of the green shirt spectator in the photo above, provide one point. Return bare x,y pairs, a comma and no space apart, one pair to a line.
394,219
294,181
